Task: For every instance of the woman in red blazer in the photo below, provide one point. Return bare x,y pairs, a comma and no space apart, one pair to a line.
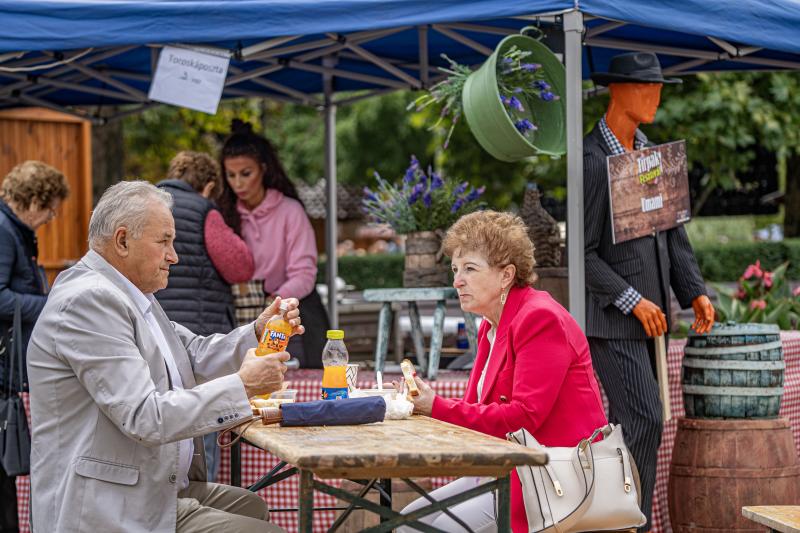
533,368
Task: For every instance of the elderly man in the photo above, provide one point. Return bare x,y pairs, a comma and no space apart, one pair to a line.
120,396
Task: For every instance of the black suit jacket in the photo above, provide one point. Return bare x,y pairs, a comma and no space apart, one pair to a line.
651,265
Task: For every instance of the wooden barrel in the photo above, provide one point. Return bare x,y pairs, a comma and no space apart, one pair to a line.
718,466
423,262
734,371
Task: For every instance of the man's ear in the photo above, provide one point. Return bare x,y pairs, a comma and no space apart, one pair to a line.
121,241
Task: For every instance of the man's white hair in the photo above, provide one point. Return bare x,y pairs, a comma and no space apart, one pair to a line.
124,204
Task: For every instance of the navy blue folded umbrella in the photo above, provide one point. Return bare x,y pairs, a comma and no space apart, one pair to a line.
345,412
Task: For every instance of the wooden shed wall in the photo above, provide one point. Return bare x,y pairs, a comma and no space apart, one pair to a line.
63,141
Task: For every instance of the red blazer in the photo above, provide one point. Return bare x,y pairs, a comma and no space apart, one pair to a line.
540,377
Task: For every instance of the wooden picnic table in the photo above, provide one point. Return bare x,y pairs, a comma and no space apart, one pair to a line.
783,518
416,447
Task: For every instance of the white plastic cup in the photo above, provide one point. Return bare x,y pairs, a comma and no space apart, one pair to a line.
351,373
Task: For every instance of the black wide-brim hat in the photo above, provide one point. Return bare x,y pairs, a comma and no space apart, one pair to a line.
633,67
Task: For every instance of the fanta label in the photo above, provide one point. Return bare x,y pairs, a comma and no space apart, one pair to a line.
334,393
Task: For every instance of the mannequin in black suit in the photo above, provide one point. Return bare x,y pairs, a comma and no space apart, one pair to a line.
628,284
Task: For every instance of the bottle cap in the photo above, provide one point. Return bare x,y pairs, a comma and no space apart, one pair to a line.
335,334
284,306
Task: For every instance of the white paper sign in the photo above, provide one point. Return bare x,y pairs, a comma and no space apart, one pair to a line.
189,78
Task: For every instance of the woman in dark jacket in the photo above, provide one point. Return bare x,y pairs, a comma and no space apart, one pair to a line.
29,198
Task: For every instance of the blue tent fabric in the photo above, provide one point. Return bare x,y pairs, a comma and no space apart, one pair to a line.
47,30
69,24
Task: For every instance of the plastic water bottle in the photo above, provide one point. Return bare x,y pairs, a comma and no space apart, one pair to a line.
334,363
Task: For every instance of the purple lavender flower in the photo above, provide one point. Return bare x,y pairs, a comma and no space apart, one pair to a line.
475,193
409,177
541,85
516,104
517,90
369,195
427,200
524,126
436,181
530,67
548,96
460,189
418,189
457,205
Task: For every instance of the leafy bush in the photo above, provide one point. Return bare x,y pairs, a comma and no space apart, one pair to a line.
761,296
718,262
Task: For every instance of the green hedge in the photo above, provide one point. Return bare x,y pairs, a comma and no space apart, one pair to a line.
726,262
379,271
718,262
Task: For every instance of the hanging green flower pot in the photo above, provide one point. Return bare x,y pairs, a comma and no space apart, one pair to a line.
487,116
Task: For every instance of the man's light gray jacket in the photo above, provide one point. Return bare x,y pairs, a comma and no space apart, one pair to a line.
105,423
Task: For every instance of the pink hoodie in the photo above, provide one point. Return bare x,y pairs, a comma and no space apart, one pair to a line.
280,236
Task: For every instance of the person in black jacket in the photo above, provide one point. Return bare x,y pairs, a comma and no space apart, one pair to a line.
628,284
29,198
211,258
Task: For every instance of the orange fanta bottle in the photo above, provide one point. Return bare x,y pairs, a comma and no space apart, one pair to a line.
276,333
334,362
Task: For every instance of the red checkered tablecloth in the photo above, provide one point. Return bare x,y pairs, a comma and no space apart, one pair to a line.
256,462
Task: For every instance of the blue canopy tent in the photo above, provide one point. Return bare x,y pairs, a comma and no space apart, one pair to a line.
64,54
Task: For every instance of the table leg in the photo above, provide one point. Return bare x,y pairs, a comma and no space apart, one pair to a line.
472,333
436,339
236,464
386,495
416,335
384,329
306,507
503,504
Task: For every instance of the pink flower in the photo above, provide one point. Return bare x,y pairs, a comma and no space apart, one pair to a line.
768,279
796,291
740,294
753,270
758,304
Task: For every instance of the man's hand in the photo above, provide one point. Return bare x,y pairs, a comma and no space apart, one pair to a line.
651,316
703,314
292,315
262,375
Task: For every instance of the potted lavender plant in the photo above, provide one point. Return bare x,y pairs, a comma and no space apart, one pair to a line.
512,102
421,207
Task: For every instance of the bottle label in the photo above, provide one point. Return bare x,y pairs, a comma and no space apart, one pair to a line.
334,393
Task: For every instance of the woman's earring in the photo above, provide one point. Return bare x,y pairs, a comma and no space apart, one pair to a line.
503,298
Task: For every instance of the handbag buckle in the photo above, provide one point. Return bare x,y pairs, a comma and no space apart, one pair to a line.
557,486
627,484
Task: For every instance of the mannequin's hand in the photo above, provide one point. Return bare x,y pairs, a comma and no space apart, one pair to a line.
652,318
703,314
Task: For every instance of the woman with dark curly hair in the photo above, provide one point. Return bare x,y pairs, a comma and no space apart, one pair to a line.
260,203
29,198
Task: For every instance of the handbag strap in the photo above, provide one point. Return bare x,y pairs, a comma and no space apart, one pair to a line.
15,354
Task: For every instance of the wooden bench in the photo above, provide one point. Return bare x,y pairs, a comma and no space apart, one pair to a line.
783,518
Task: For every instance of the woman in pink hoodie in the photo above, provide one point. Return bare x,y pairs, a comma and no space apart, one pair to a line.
260,203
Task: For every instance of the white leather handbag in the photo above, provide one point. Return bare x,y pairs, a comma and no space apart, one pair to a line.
593,486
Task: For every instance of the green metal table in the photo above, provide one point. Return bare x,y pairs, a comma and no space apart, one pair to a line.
412,296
